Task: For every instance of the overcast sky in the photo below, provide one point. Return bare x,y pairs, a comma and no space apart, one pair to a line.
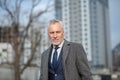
114,9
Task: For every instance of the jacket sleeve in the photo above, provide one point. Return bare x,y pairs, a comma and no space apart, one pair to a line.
82,64
41,69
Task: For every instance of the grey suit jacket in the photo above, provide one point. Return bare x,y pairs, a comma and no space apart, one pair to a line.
74,62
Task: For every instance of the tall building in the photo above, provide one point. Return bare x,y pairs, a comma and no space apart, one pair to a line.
87,22
58,9
100,33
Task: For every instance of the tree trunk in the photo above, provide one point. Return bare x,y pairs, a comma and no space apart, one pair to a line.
16,74
17,68
17,53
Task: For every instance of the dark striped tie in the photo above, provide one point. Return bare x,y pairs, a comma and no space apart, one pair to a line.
55,57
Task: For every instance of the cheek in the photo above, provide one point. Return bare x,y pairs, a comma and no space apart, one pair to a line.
50,36
61,36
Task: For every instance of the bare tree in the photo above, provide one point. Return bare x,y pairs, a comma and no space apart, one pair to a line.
13,13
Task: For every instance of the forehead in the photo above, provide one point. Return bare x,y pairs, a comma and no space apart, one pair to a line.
55,27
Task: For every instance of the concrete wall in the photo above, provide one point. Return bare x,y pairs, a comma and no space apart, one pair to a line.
31,73
6,74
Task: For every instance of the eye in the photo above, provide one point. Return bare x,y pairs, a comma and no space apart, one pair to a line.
58,31
51,32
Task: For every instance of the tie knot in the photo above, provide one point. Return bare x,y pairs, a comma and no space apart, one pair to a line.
56,47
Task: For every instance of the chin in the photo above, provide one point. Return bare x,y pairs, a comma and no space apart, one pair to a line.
56,43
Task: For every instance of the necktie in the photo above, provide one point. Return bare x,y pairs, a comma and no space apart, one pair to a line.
55,57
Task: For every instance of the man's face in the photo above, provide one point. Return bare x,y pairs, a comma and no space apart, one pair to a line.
56,33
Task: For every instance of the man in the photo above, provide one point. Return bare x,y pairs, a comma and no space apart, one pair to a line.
70,62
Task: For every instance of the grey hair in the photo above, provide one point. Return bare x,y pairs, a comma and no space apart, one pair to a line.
53,21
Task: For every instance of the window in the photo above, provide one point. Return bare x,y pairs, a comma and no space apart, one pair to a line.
85,19
84,6
86,39
85,24
4,50
85,29
84,1
85,10
86,44
85,15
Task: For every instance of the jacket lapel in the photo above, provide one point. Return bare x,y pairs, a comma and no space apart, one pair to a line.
64,52
66,47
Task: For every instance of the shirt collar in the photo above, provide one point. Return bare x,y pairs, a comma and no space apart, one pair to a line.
60,45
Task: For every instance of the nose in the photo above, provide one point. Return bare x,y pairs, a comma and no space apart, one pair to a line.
55,35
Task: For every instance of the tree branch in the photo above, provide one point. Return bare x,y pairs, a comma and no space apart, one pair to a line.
34,46
8,10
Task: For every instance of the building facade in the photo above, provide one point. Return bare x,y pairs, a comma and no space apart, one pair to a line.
58,9
116,57
87,22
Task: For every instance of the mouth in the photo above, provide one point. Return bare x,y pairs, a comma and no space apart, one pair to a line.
55,40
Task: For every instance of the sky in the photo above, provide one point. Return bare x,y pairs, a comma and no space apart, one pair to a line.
114,9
